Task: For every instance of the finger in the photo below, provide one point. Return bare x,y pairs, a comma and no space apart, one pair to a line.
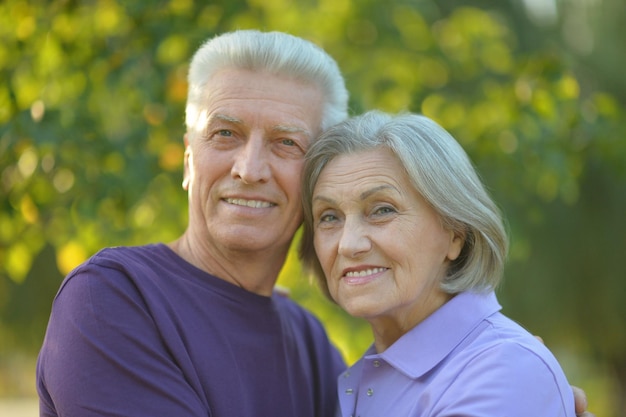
580,401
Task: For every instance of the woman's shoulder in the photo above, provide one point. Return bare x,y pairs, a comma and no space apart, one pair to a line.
505,363
502,348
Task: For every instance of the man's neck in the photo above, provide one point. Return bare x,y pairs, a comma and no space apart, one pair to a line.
254,271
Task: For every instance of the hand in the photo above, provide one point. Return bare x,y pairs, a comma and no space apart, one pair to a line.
580,398
580,403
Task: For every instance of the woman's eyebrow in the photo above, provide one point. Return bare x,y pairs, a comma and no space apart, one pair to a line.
322,198
374,190
364,195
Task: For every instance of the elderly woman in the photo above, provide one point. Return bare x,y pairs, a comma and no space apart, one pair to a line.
407,238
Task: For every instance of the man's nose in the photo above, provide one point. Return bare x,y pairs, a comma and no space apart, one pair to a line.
354,239
252,162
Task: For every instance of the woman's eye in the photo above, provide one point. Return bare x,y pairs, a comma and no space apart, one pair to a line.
327,218
384,210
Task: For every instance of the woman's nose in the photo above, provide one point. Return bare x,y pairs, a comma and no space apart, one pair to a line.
354,238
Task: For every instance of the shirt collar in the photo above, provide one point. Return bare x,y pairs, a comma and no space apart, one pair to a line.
428,343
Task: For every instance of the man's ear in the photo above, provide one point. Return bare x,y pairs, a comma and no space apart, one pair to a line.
186,162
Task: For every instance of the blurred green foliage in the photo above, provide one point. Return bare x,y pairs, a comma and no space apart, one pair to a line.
91,126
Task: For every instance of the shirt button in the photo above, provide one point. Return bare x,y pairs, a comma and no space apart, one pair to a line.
376,363
349,391
370,392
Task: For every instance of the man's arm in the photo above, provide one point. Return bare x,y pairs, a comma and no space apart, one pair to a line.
580,401
580,398
103,354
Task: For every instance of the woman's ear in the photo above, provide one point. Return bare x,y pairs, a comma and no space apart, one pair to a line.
457,241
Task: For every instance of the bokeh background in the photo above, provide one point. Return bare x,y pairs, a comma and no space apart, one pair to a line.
91,123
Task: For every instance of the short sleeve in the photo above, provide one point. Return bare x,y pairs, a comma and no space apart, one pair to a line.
82,367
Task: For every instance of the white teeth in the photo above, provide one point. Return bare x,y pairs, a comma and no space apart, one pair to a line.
365,273
248,203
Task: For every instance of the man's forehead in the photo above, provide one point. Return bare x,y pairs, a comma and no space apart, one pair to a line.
246,97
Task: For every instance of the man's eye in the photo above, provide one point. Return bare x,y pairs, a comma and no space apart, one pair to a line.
288,142
224,132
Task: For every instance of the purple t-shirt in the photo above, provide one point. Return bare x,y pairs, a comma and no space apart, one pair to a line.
466,359
137,331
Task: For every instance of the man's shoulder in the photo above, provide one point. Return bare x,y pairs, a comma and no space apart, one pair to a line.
124,258
121,254
111,263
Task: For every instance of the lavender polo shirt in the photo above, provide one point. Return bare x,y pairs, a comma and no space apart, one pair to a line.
466,359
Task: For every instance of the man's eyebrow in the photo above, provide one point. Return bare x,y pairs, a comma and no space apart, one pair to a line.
276,128
224,118
290,129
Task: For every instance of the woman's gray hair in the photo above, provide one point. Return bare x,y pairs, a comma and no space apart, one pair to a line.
440,171
273,52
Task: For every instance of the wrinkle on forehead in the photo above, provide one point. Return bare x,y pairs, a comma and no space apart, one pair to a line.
298,104
362,175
